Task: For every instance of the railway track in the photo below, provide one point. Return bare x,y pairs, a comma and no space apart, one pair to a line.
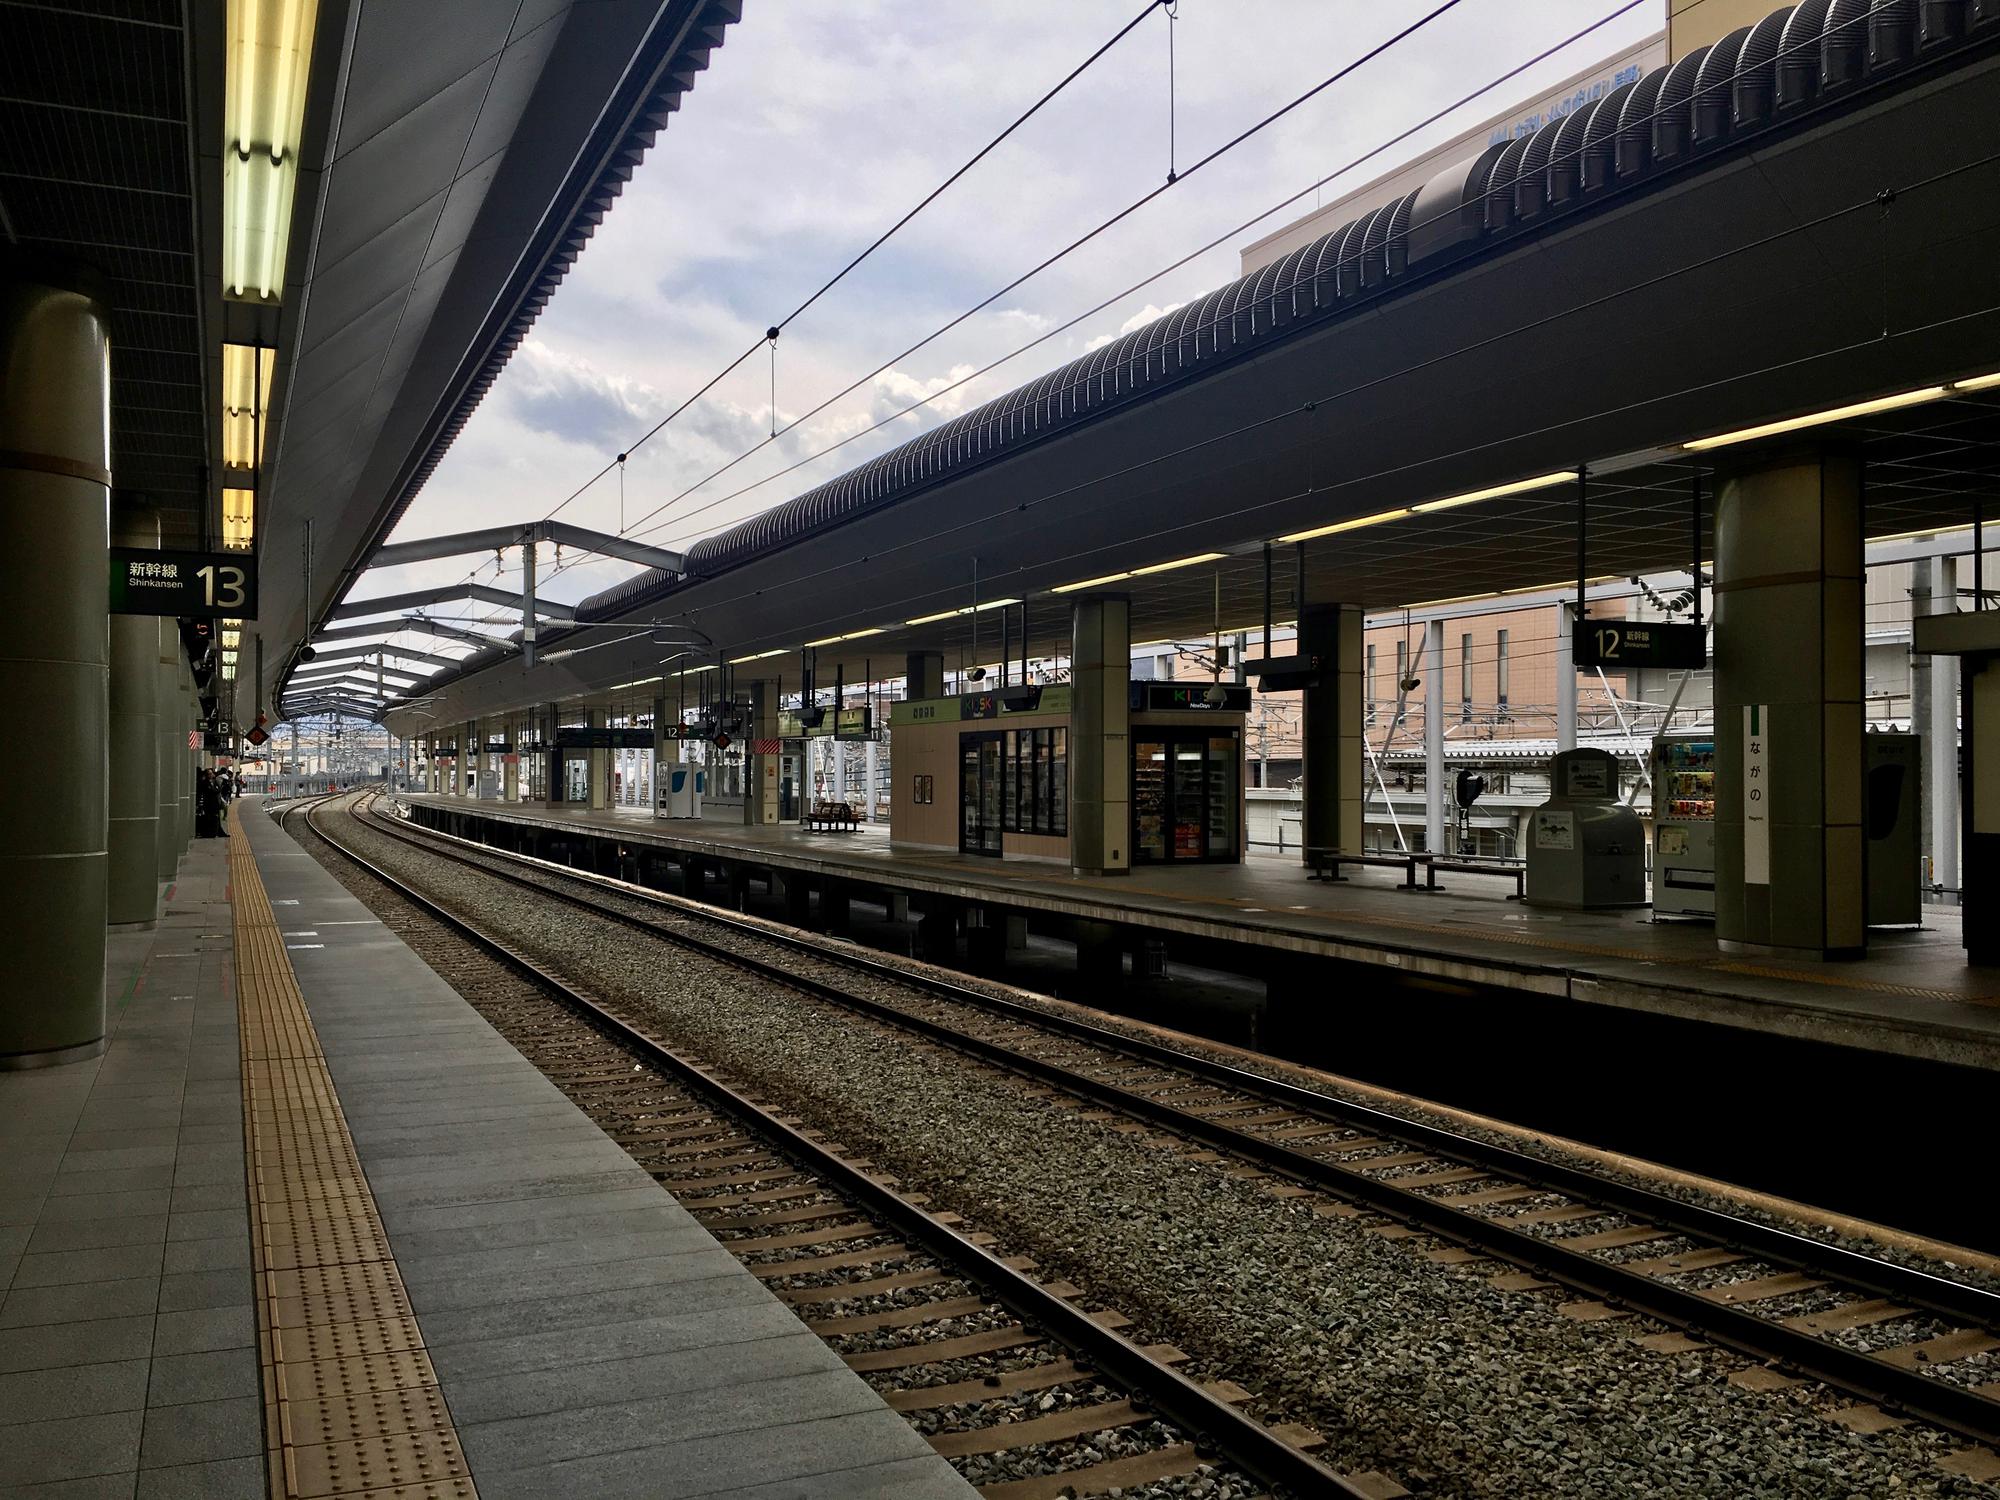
1908,1343
1031,1394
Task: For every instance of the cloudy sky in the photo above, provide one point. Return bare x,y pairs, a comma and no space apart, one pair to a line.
819,124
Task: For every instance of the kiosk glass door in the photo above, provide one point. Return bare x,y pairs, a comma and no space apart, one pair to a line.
1185,785
981,789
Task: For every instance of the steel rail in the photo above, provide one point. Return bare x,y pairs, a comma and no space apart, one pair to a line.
1235,1434
1923,1290
1956,1408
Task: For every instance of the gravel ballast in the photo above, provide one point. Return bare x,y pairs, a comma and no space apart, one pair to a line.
1423,1371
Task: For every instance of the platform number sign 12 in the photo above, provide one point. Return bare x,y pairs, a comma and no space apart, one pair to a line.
1631,644
190,585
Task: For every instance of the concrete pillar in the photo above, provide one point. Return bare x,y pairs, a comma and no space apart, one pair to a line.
869,773
760,772
1100,739
1565,677
468,759
923,674
1934,715
169,742
55,486
839,752
1434,788
1789,840
132,883
1335,766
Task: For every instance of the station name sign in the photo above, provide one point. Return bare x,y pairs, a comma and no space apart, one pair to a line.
1051,699
1628,645
604,739
848,724
196,585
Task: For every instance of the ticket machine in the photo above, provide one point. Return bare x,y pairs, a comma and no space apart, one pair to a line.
1585,847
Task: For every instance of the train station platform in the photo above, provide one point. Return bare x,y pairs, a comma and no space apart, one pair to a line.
421,1270
1913,995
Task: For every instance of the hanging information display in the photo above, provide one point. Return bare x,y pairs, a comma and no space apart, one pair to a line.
197,585
1635,644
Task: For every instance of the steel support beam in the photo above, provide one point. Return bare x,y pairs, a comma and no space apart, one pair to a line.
361,609
495,538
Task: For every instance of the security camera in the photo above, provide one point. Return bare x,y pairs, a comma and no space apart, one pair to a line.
1215,695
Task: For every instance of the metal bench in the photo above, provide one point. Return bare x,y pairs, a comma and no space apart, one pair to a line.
1326,864
830,817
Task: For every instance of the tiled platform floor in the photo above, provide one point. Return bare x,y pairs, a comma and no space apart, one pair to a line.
590,1337
128,1359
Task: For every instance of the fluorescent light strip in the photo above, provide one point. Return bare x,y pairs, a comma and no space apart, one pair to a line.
737,661
1165,567
1977,383
852,635
1470,497
947,614
267,60
1820,418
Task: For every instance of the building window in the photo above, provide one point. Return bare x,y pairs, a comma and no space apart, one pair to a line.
1500,661
1465,678
1036,781
1369,670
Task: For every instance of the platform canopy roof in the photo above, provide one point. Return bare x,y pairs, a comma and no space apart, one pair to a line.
322,227
1788,226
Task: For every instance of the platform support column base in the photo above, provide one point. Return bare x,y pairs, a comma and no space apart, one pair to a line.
833,912
937,933
797,891
1100,954
898,905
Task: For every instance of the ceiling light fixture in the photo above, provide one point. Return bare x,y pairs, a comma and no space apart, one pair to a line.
1423,507
852,635
1977,383
264,103
1165,567
948,614
1821,418
246,397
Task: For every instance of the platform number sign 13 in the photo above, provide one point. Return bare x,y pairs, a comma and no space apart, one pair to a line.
190,585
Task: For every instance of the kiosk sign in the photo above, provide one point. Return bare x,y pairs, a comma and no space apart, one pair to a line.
193,585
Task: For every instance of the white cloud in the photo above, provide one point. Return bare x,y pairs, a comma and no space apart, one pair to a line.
816,127
1134,323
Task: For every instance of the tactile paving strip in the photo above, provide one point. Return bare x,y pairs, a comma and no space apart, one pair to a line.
351,1403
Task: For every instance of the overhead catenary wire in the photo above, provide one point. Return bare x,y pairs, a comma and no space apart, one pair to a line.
929,198
1290,412
1116,297
1214,155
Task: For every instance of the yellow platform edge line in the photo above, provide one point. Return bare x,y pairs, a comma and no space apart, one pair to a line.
351,1402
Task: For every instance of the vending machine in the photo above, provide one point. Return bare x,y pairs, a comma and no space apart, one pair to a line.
1684,825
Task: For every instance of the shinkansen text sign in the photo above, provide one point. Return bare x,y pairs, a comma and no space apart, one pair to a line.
1629,644
196,585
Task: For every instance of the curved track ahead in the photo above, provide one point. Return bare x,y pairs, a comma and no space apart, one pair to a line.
1390,1163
